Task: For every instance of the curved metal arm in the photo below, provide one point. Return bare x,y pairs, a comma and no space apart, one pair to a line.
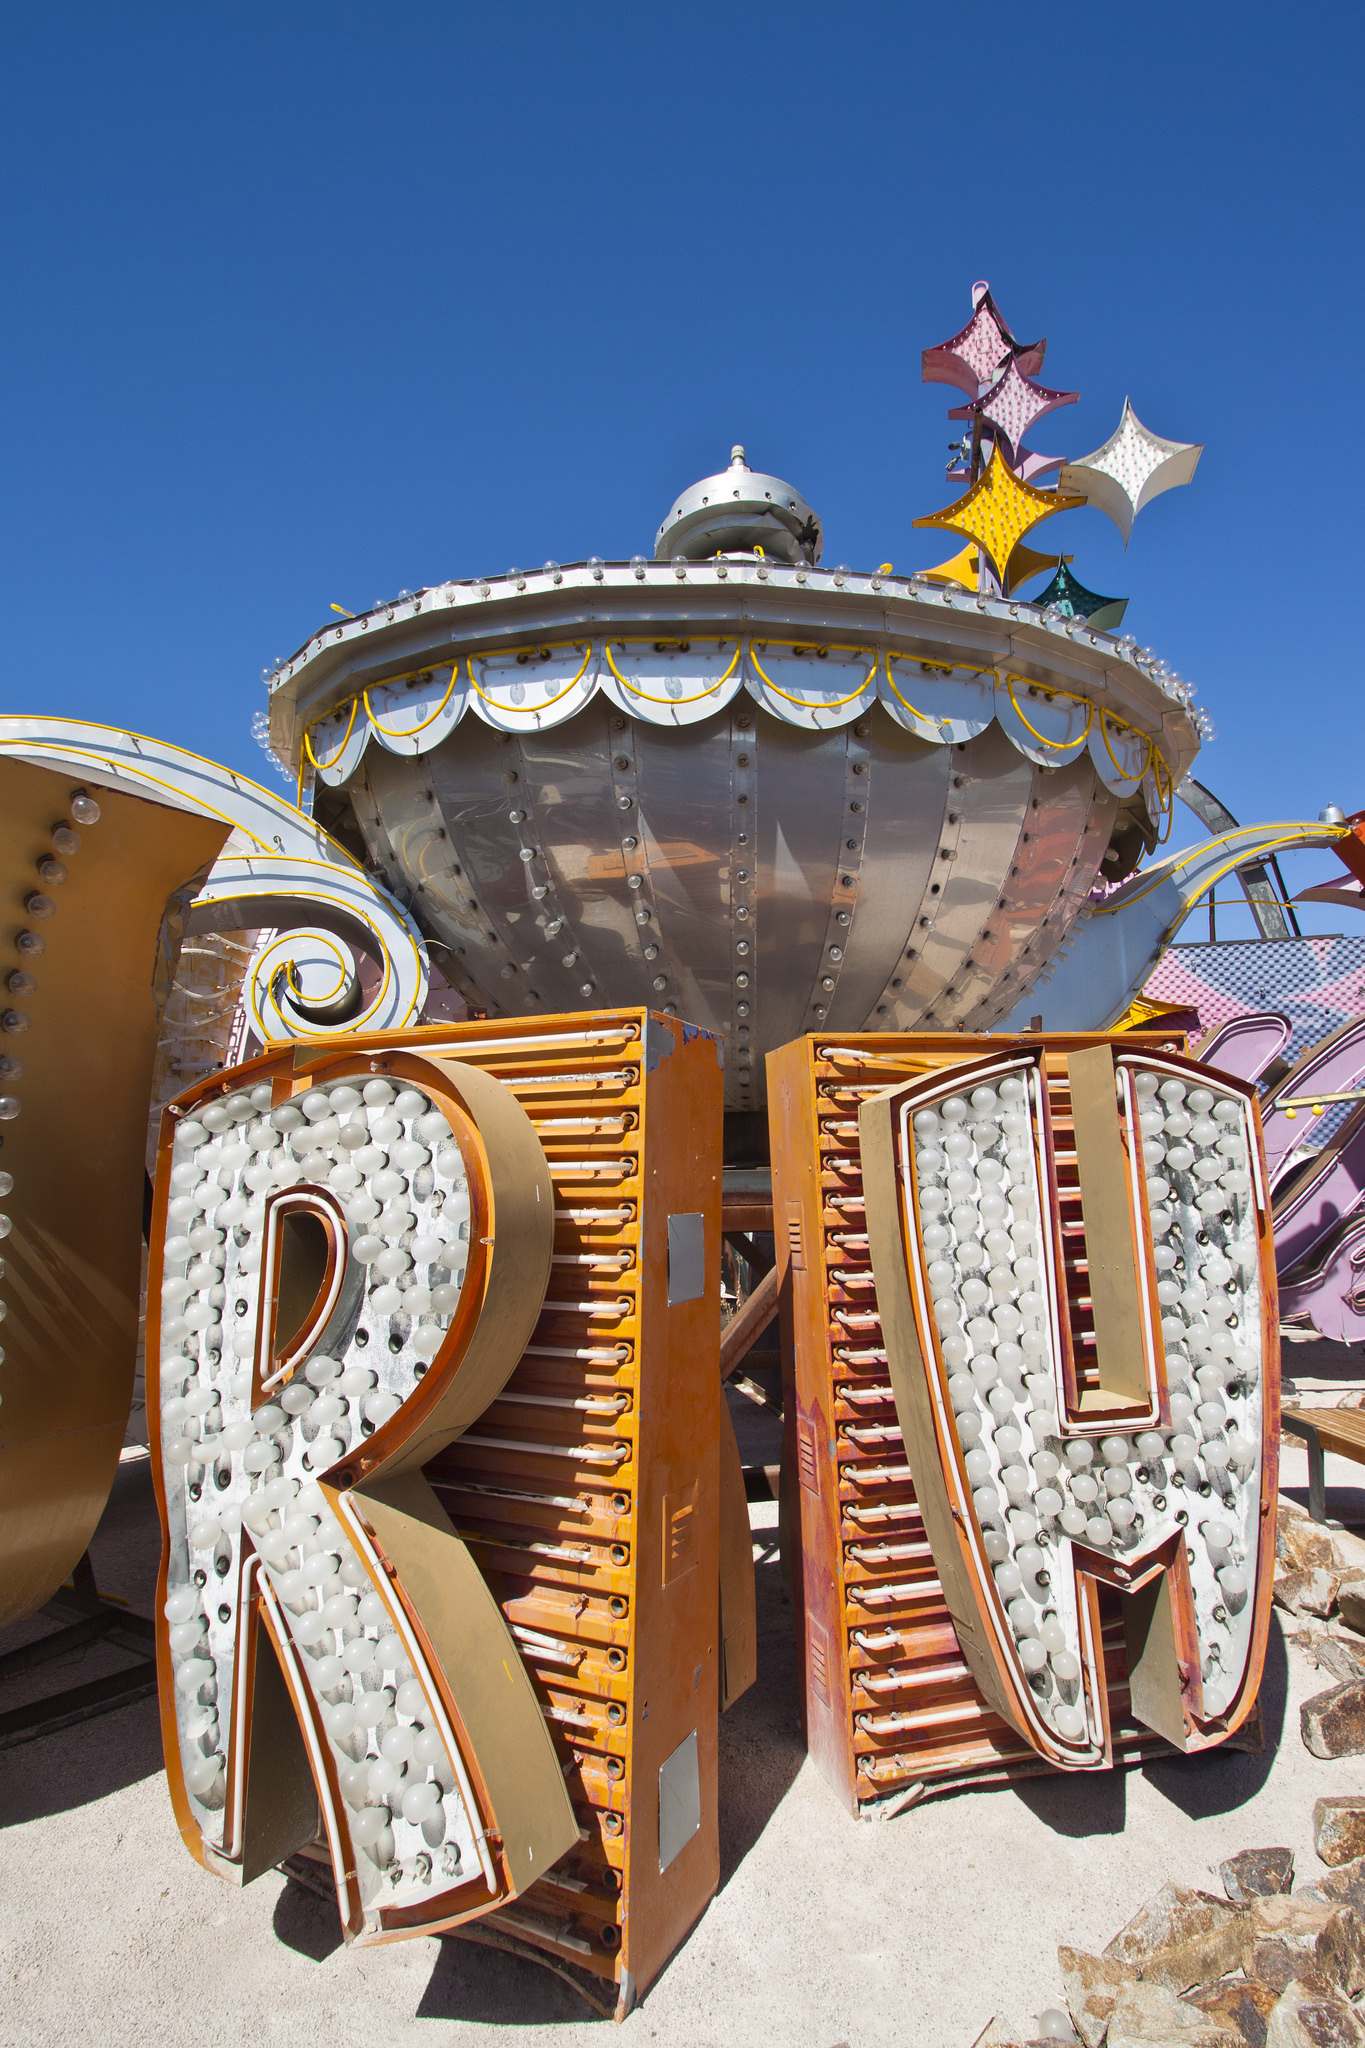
1262,883
279,870
1116,943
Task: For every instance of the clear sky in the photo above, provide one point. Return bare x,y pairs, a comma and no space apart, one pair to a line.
320,303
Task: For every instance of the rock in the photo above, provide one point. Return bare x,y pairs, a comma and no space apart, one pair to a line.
1345,1886
1307,1592
1339,1828
1301,1544
1351,1601
1257,1873
1151,2016
1305,1938
1341,1953
1243,2007
1313,1940
1305,2017
1344,1660
1183,1937
1333,1722
1092,1984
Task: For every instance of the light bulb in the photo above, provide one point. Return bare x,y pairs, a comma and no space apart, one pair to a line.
369,1825
1015,1480
421,1803
84,808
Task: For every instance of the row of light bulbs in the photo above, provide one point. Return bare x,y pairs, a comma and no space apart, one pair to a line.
358,1151
377,1146
981,1235
1206,1254
20,983
1054,617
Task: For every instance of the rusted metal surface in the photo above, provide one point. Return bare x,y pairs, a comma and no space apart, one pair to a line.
590,1492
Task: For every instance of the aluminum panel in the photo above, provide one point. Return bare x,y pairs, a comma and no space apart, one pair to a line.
758,878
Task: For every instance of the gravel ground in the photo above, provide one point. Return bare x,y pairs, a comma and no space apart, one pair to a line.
826,1931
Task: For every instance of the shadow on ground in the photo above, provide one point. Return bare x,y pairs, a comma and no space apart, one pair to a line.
65,1768
70,1767
761,1751
1218,1781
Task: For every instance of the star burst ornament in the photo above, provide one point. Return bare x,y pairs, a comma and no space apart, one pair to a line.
1027,466
1067,594
1133,467
976,354
965,567
998,511
1013,404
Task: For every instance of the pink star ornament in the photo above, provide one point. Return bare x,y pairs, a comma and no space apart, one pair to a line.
1013,404
975,355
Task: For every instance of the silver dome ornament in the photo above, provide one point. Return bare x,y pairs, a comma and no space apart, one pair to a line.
740,511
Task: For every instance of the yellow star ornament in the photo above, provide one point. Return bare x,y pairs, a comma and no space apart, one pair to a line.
998,511
964,567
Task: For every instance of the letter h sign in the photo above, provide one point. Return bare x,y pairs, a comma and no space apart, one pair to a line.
1047,1348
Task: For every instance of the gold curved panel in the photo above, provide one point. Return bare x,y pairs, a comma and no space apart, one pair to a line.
75,1153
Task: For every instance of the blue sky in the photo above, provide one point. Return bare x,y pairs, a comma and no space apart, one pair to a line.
319,304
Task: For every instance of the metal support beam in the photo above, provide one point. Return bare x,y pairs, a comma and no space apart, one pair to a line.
744,1331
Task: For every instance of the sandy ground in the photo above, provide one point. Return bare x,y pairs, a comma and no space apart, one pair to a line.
826,1931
